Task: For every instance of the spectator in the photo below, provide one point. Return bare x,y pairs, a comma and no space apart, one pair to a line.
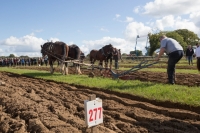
174,51
197,54
189,54
116,57
46,60
197,45
22,62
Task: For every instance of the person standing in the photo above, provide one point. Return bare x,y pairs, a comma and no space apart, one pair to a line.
197,45
117,56
174,51
189,54
46,60
197,55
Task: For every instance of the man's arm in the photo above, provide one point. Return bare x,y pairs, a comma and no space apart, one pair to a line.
162,50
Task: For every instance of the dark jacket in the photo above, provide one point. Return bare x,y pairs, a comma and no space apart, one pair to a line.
189,52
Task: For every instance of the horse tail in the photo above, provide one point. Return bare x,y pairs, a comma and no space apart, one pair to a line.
198,64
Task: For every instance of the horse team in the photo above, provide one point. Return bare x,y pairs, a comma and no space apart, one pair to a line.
64,53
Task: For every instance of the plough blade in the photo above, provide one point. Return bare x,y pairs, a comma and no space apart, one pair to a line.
141,65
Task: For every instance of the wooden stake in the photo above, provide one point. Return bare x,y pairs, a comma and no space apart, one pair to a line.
94,129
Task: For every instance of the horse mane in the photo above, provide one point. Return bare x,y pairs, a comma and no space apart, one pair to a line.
74,51
73,46
64,47
108,45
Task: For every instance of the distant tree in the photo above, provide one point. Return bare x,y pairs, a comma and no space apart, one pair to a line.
178,38
139,53
154,43
180,35
24,56
124,54
11,56
188,36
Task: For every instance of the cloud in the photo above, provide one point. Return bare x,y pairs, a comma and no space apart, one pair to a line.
166,21
28,44
137,9
171,23
136,28
129,19
98,44
117,15
195,18
160,8
103,29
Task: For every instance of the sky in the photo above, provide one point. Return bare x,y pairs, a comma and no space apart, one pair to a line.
25,25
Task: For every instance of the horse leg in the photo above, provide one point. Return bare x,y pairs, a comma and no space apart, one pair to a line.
106,68
110,63
62,68
106,64
51,67
101,66
93,64
79,69
66,68
76,68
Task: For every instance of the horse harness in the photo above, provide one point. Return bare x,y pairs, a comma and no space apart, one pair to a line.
49,50
103,53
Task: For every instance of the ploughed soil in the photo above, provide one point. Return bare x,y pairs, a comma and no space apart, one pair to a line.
44,106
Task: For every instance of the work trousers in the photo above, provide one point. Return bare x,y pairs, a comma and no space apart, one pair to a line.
116,64
174,57
190,60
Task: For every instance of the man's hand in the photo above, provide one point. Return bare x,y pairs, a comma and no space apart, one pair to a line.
157,59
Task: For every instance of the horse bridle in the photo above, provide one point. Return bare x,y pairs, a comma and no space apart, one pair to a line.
104,53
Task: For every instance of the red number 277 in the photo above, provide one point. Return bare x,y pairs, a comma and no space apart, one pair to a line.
93,113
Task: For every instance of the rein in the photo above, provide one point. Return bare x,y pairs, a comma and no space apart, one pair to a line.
48,50
50,53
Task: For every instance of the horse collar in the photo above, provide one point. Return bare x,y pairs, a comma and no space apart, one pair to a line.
103,52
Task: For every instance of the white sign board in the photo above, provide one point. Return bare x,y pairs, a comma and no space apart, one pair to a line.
93,112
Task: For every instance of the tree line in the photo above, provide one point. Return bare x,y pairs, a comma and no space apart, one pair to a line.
183,36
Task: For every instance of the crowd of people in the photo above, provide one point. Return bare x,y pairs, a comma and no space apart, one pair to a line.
17,61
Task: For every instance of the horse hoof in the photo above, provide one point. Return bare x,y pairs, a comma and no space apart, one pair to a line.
91,74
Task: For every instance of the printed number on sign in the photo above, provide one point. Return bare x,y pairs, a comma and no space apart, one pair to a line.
95,114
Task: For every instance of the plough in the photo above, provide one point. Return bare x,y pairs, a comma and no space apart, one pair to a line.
143,64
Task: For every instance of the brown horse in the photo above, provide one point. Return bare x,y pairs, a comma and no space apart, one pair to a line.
75,56
102,54
55,51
